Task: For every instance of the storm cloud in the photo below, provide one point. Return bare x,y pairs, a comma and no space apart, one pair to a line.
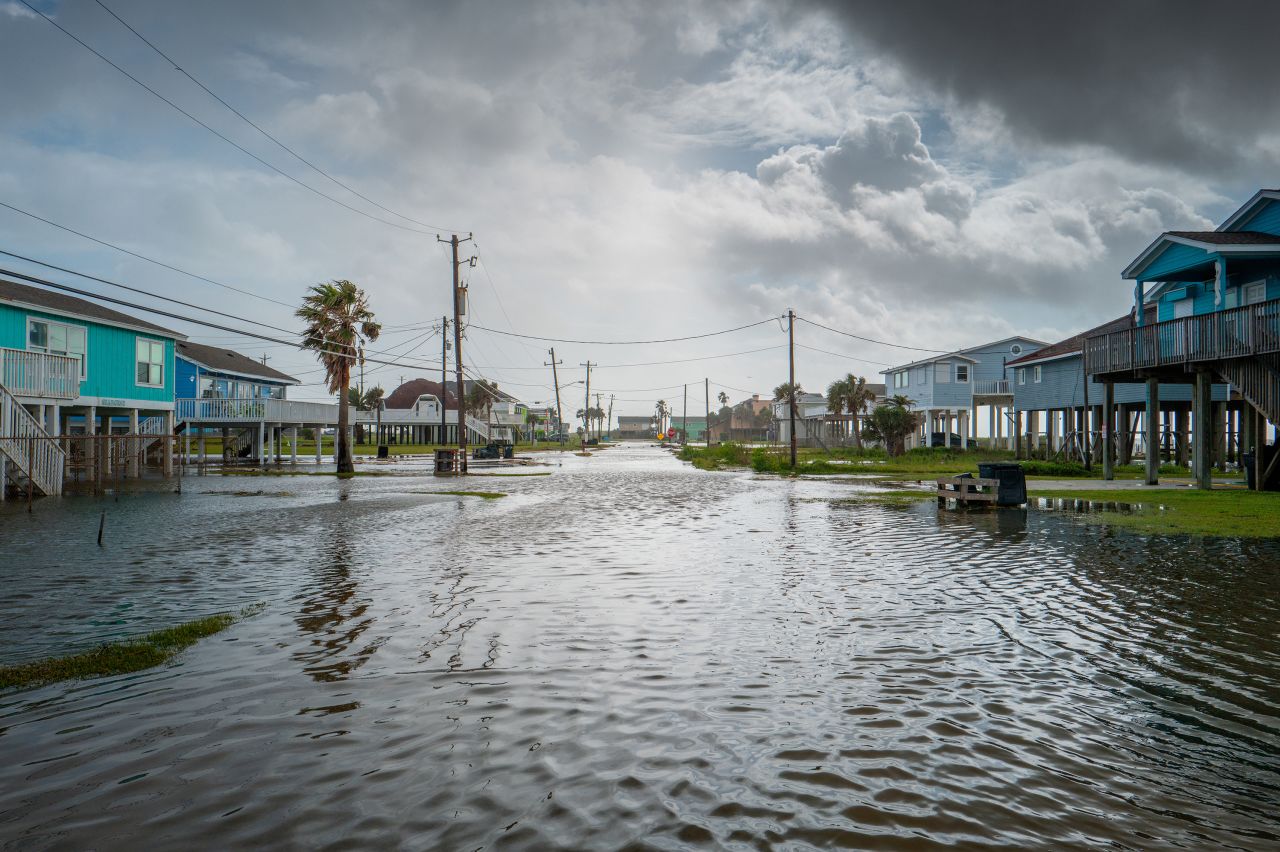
1182,82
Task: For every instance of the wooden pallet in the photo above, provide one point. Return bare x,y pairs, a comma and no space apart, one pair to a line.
967,489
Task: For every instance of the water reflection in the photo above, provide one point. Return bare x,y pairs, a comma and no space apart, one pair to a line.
717,660
332,614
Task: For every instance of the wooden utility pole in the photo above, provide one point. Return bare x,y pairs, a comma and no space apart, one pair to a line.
706,393
608,425
684,418
444,364
791,396
459,310
586,404
555,379
601,410
1086,449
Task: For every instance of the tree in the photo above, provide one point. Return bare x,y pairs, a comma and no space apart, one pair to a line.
837,395
531,419
338,324
724,398
856,401
663,410
891,423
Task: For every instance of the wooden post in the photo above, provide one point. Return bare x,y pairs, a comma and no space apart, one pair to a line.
1153,431
1108,430
166,444
1202,402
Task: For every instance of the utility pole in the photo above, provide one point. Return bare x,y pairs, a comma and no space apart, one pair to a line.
586,403
555,378
444,364
608,425
684,418
706,392
791,396
459,309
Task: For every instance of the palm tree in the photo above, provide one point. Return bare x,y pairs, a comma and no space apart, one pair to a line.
338,323
837,395
857,400
531,420
663,411
892,422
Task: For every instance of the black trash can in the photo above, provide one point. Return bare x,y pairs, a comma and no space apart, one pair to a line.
1012,490
383,451
1249,461
508,452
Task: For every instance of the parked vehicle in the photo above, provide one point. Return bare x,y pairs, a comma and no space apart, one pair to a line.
494,450
938,439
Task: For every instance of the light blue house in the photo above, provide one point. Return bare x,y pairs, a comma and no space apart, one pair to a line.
1058,408
1217,319
71,365
950,388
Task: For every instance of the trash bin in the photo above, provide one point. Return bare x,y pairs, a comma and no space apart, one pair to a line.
1249,461
383,451
508,452
1012,490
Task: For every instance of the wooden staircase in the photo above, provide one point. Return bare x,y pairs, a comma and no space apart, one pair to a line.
28,450
1257,379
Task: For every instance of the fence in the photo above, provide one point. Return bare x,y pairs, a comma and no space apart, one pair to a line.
1234,333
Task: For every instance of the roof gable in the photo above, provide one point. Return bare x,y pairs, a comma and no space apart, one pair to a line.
221,360
1256,214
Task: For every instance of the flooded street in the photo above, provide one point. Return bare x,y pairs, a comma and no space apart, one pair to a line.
634,653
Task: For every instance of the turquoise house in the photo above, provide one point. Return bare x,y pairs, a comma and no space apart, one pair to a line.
1216,298
77,366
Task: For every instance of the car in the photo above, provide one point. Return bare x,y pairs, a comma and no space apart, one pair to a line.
938,439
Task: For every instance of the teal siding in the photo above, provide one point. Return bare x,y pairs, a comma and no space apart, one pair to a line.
111,371
1266,219
1201,293
1175,256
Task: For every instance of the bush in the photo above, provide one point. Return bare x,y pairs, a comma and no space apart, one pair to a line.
1035,467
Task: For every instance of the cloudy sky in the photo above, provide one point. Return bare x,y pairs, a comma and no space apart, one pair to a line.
930,174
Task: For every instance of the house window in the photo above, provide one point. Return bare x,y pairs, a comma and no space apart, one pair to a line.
1255,292
1022,375
962,373
150,362
942,373
901,379
1183,308
56,338
922,375
1035,374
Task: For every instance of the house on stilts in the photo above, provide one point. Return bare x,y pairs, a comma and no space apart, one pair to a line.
1216,297
948,389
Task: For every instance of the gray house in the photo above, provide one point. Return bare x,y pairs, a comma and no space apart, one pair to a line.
1050,398
949,388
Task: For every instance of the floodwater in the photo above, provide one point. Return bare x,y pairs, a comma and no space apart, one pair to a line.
630,653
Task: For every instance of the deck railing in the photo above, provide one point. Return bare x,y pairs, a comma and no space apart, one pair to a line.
991,387
234,411
24,442
35,374
1219,336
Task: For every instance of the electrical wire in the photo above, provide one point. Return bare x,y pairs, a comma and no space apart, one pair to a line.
226,139
256,127
622,342
871,339
844,355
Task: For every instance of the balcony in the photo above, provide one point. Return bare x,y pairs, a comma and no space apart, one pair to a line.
1220,336
995,387
35,374
242,411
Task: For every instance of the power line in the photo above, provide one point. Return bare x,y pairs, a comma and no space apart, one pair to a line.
76,290
159,263
168,299
844,355
622,342
869,339
256,127
226,139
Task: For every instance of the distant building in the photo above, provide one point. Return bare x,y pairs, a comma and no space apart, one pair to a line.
635,427
949,388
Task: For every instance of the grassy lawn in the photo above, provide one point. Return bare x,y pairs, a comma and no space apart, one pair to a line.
923,463
128,655
1232,512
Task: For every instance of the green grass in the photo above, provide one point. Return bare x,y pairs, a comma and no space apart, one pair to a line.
1231,513
128,655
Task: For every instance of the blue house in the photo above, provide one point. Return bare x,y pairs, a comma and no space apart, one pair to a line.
1216,296
215,372
1057,408
949,388
71,365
